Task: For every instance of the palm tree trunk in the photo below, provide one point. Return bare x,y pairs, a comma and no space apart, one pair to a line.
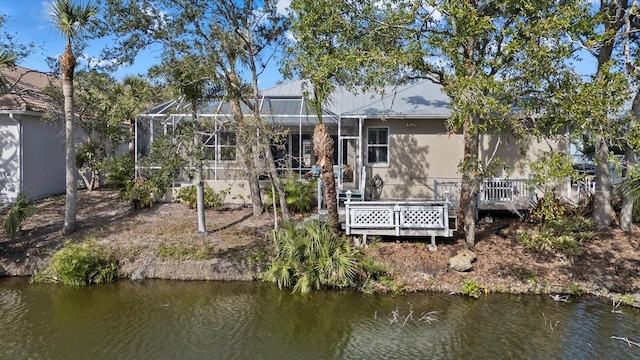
626,212
71,196
323,147
197,180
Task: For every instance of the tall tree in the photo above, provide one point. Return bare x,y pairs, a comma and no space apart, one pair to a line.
599,97
192,77
71,19
489,56
631,56
210,29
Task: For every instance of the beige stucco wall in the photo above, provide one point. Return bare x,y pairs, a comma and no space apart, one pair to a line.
419,151
422,150
517,156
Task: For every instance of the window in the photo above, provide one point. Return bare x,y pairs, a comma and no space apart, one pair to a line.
378,145
224,149
227,143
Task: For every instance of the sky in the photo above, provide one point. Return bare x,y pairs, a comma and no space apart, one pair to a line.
28,21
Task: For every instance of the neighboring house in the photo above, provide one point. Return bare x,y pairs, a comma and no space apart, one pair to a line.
32,158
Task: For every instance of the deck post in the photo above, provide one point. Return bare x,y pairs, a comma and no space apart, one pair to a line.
396,220
347,214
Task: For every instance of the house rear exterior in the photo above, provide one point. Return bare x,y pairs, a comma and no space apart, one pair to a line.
392,144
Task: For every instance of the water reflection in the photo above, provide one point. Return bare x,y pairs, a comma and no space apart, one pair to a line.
194,320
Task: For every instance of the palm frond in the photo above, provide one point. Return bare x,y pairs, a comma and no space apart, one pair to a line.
19,211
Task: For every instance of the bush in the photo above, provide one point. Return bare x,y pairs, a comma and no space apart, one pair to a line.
82,264
300,194
120,173
212,200
559,236
18,212
548,208
313,256
471,288
140,193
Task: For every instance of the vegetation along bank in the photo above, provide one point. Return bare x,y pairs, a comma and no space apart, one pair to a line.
160,242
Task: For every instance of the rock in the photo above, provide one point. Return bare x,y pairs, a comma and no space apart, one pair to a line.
462,261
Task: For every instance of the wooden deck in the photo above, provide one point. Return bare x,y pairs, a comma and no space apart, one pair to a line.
430,218
398,218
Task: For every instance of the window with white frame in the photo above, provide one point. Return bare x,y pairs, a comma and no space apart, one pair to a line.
378,145
221,147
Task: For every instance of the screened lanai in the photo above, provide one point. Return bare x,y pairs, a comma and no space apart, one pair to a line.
289,115
363,125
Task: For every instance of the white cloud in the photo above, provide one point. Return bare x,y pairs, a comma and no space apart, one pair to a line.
97,63
283,6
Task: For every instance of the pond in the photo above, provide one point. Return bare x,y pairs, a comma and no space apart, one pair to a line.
156,319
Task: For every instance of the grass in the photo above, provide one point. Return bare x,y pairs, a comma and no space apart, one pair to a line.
182,252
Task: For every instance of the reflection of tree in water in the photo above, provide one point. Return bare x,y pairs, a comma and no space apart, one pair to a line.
8,163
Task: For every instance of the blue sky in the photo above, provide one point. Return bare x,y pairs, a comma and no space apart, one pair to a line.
29,21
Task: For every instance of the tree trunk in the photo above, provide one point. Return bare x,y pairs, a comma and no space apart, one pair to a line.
601,216
132,140
626,213
197,181
323,147
469,186
273,174
245,154
67,62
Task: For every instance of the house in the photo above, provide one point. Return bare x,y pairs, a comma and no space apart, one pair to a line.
32,158
394,143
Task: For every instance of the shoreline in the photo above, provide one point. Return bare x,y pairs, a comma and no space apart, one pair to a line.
161,243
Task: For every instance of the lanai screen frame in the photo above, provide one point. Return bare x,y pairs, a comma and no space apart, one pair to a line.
170,113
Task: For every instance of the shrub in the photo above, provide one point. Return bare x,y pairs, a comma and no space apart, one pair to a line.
313,256
300,194
559,236
471,288
18,212
120,173
548,208
140,193
212,199
82,264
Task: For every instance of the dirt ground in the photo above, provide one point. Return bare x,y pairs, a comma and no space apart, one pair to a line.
161,242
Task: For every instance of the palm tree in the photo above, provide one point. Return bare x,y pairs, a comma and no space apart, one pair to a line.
71,19
6,59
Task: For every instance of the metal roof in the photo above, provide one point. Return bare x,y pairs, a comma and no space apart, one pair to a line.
423,99
286,103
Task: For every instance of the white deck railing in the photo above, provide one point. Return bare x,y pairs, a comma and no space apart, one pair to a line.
398,218
492,192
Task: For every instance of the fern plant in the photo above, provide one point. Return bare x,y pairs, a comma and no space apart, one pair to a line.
18,212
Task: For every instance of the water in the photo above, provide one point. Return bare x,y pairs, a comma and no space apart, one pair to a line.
216,320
